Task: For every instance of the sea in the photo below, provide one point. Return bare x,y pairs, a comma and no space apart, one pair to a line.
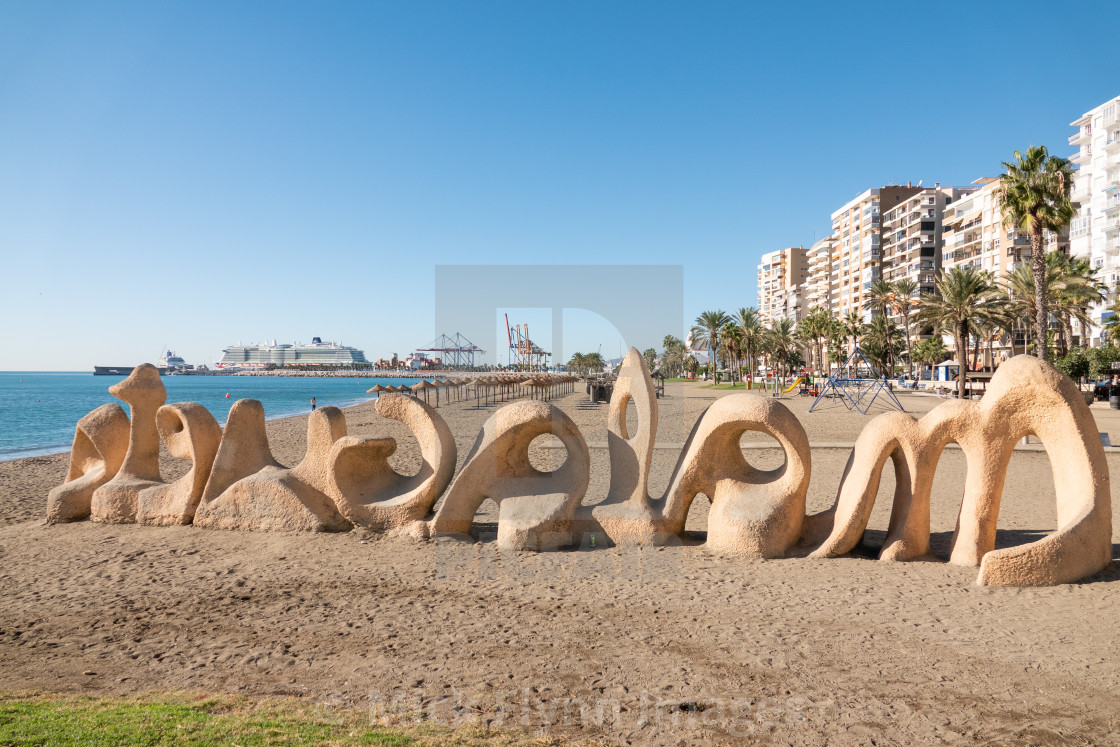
39,409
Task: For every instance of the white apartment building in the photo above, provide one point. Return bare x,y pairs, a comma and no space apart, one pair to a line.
819,274
780,277
1095,229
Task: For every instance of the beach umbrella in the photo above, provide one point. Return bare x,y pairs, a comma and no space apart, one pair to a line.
425,386
377,389
475,384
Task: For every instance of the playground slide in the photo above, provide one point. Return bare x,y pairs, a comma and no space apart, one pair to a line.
794,385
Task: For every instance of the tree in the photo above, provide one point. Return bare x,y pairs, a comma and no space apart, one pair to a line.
751,335
705,332
931,351
781,343
814,329
903,299
966,300
651,358
1068,292
672,359
1075,364
732,341
690,366
1083,290
879,296
880,343
853,327
578,363
1034,197
1111,326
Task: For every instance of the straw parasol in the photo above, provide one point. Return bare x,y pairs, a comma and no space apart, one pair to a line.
425,386
377,389
475,383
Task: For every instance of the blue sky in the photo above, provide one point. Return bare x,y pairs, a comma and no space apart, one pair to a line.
193,174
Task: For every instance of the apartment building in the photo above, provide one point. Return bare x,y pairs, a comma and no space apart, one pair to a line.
781,275
975,236
912,236
857,241
1095,229
819,274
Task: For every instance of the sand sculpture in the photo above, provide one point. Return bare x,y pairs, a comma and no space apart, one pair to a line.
190,432
369,492
277,498
100,444
244,450
343,481
535,509
755,513
1026,396
116,501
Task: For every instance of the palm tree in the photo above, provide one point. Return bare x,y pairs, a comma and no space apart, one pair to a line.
578,363
1067,293
731,339
879,343
1034,197
879,296
966,300
1111,326
705,332
903,297
781,342
814,329
1083,290
672,360
750,334
931,351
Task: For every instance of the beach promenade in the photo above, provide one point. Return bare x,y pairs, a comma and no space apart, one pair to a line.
655,645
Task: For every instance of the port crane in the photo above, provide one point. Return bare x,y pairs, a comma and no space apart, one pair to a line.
527,355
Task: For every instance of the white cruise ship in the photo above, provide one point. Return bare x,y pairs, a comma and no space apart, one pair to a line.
317,353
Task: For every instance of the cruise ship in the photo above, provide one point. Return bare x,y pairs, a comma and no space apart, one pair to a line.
317,353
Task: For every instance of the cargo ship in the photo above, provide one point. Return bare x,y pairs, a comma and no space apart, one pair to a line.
168,363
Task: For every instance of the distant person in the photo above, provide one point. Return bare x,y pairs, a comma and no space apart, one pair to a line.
312,404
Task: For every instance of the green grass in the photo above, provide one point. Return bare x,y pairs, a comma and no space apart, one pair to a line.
190,719
735,385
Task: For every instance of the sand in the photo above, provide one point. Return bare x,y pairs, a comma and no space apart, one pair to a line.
671,645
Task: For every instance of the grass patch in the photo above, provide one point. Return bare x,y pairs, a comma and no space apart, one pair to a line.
191,719
734,385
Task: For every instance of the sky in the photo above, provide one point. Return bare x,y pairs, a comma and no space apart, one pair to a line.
195,174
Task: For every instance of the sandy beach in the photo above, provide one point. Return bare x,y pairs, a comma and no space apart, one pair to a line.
662,645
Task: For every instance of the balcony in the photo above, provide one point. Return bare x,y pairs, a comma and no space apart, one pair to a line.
1082,136
1082,156
1112,146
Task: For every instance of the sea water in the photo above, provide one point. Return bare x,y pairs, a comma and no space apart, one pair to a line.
38,410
